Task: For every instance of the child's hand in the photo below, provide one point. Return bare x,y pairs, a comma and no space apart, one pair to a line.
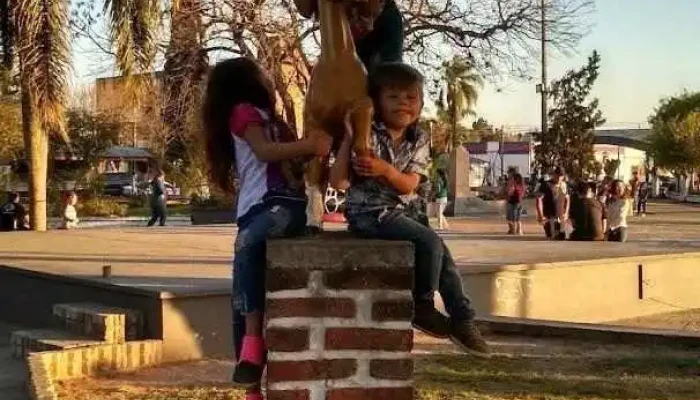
320,144
370,166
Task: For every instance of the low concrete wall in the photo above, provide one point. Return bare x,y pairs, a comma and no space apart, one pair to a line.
191,326
197,326
588,291
27,298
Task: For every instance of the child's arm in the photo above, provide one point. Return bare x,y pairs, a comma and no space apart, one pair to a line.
404,182
317,144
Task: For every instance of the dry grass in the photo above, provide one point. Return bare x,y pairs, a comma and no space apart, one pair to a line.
527,369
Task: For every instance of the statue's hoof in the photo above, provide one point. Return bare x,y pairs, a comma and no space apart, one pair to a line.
313,230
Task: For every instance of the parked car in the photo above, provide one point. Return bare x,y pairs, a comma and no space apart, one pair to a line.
115,183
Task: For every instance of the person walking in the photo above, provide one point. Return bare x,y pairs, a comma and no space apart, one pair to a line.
158,200
516,193
441,199
642,199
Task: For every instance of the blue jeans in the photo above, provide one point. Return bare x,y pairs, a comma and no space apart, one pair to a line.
434,269
514,212
254,229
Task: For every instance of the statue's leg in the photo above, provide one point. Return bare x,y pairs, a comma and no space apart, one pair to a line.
314,193
314,188
361,120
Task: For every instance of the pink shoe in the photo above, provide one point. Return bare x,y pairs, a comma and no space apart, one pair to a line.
254,396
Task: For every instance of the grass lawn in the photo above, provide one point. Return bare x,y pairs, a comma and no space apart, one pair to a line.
523,369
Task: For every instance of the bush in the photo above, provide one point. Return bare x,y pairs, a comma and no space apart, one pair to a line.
213,202
97,207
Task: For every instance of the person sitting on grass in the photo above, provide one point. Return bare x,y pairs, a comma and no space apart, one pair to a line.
13,215
380,187
70,215
587,215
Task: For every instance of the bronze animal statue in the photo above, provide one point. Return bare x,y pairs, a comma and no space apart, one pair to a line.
338,86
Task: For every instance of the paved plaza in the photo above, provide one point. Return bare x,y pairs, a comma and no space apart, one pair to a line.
198,258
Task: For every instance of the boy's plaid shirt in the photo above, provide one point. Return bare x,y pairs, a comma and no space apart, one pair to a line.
370,195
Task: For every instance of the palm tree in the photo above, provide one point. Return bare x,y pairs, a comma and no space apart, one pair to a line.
37,31
458,94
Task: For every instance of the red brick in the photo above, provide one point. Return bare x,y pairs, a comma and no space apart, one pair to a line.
316,307
371,394
310,370
287,340
369,279
288,394
368,339
392,310
286,279
391,369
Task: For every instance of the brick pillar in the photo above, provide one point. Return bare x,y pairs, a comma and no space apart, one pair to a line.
339,312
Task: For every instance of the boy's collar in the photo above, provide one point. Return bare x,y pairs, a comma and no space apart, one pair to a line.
411,130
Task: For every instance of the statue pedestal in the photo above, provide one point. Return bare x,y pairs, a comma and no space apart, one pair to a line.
459,185
339,315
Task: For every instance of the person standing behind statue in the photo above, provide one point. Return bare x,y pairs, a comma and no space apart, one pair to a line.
247,139
380,186
158,200
13,215
378,33
634,190
642,199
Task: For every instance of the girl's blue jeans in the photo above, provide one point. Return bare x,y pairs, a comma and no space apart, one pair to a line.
254,229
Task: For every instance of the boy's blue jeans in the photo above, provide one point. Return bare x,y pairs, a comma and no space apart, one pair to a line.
435,268
254,229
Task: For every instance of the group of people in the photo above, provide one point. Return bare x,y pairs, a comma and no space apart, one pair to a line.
594,211
14,216
245,134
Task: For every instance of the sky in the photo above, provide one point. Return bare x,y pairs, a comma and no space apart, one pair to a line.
649,50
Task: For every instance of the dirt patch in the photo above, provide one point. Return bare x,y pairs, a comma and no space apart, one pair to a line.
522,369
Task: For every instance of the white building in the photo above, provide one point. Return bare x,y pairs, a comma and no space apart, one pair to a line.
517,155
625,145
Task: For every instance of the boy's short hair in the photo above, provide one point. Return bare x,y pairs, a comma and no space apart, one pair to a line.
393,75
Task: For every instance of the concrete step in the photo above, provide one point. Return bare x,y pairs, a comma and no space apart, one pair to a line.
29,341
95,321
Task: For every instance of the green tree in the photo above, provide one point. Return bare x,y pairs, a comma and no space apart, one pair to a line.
676,143
90,134
458,95
37,32
673,142
568,142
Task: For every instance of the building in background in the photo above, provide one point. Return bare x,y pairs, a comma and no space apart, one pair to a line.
626,145
497,158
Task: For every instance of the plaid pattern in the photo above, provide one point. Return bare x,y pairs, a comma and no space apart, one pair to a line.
370,195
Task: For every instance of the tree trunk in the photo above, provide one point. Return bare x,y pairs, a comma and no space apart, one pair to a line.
36,143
